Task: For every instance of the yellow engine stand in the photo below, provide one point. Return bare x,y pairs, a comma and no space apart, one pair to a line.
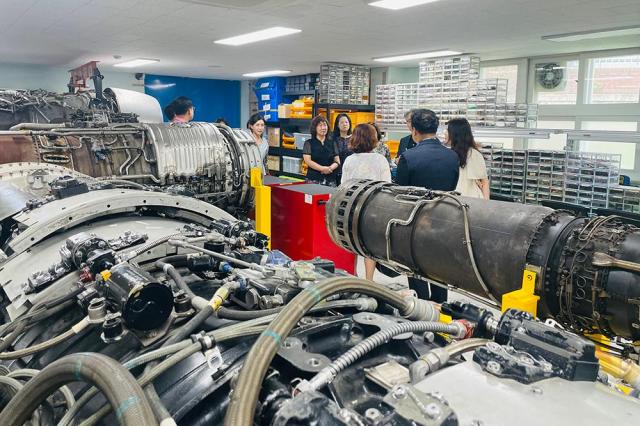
263,203
523,299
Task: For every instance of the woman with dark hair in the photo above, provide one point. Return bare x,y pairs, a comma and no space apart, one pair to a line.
364,163
341,135
256,125
473,180
382,147
320,153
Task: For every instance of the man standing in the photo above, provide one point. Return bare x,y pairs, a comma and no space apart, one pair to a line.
430,165
406,142
182,109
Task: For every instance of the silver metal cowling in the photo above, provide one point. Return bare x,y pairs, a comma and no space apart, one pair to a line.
209,161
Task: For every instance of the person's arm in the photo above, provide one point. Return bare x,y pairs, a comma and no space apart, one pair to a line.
346,170
483,184
402,176
478,171
336,159
385,172
315,166
334,166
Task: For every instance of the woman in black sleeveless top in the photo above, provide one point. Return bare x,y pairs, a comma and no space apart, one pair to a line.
320,153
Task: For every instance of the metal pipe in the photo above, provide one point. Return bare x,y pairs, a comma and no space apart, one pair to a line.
37,126
184,244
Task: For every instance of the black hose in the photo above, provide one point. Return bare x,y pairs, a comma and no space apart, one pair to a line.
20,325
245,395
166,264
160,411
187,329
118,385
237,315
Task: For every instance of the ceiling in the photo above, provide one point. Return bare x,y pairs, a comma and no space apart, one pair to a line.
180,33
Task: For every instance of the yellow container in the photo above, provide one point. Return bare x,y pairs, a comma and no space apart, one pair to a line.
355,117
393,146
301,114
303,103
361,117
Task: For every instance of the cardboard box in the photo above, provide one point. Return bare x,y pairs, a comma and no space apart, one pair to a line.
284,110
273,163
273,136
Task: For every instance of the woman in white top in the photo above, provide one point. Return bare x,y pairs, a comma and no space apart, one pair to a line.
365,164
473,180
256,126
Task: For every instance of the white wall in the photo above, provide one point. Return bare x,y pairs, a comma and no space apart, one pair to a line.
55,79
245,91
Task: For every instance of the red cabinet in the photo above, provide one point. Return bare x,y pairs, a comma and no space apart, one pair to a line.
298,224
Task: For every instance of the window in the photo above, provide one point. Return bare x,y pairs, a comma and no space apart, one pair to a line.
613,80
556,82
626,150
509,72
556,142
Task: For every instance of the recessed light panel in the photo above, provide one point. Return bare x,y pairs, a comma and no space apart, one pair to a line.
422,55
255,36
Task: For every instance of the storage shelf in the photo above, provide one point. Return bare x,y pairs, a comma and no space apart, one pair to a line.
295,121
300,93
293,175
354,107
277,150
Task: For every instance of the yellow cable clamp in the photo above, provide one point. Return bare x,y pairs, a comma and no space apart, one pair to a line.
219,297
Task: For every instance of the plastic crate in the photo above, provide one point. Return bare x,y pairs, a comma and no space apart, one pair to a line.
291,164
300,139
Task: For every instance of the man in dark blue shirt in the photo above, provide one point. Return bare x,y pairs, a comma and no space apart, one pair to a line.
430,165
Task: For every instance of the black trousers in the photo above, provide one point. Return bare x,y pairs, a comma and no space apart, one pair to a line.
428,291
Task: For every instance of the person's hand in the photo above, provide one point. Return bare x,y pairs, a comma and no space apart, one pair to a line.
326,170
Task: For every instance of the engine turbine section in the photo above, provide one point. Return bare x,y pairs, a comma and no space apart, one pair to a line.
588,270
208,161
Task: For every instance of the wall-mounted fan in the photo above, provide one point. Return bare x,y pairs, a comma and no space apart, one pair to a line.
549,76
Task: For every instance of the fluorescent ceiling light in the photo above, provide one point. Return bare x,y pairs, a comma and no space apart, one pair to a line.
422,55
159,86
399,4
587,35
136,63
266,73
272,32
